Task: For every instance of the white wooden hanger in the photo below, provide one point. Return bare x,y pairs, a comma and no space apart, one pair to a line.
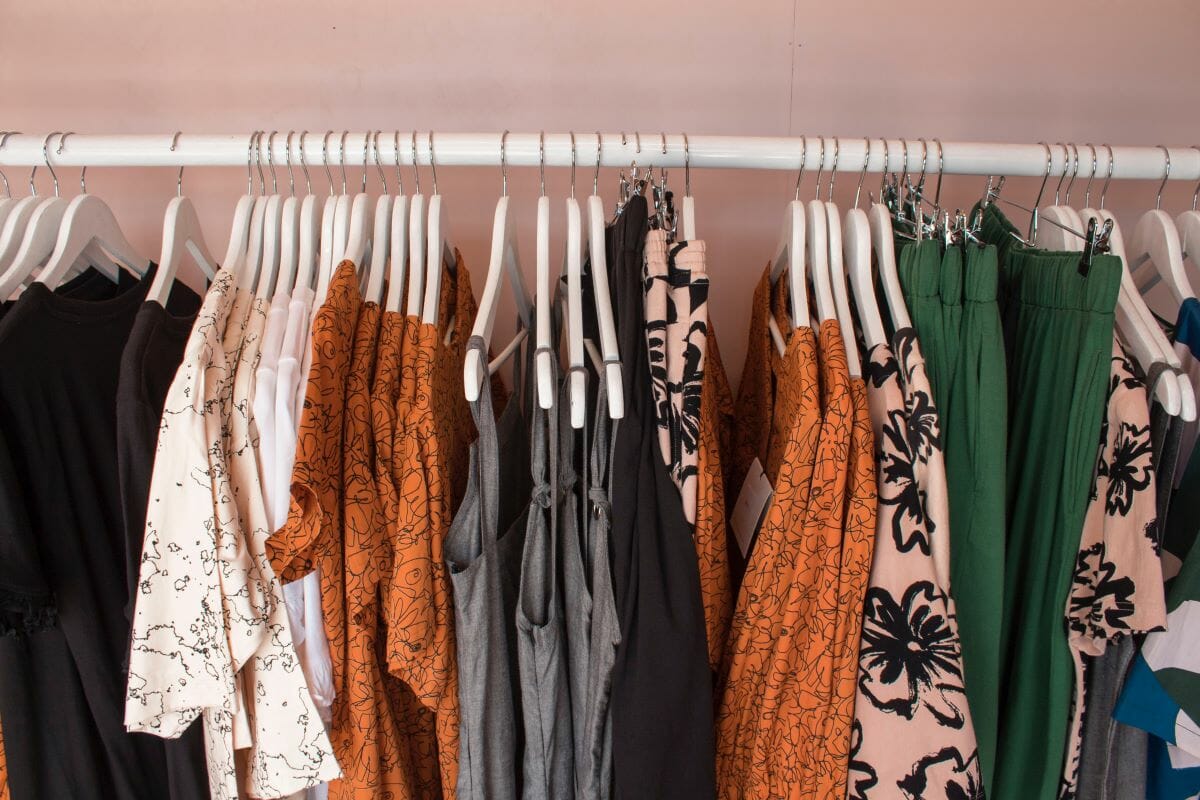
289,229
416,244
398,265
543,293
817,225
272,239
573,264
791,255
1188,224
1156,240
856,248
605,319
837,273
1140,332
308,256
1064,231
359,226
89,221
342,212
438,250
504,260
250,260
181,234
689,205
327,238
8,201
380,236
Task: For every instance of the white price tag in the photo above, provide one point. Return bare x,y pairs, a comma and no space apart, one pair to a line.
751,507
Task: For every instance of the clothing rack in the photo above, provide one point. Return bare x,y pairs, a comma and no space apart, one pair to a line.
615,150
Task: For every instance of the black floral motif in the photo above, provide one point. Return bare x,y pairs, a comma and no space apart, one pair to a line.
1128,467
878,371
909,657
954,776
924,432
1099,597
862,776
911,526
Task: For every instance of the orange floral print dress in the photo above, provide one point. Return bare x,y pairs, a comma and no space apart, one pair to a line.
751,677
433,433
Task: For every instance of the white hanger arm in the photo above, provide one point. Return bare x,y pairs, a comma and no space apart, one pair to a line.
884,246
181,234
289,246
308,257
434,253
790,255
416,256
576,379
271,245
358,227
818,259
543,301
89,220
856,249
689,218
398,265
604,308
380,241
38,242
841,293
1156,240
328,243
1053,233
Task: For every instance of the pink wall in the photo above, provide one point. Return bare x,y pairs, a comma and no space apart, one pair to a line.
1025,70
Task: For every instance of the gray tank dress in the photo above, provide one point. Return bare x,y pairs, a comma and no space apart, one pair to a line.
484,569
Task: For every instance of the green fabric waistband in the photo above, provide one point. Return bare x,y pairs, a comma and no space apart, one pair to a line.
981,274
1043,278
919,267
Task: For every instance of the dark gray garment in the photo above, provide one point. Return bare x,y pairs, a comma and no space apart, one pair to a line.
484,574
596,767
542,651
1112,764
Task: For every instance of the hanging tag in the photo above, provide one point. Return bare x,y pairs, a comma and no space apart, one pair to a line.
751,508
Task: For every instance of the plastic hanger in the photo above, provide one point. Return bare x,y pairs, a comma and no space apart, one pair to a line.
342,211
883,245
791,255
271,231
504,260
1064,233
416,244
543,296
837,272
289,230
438,250
359,225
1139,331
576,352
181,234
605,319
36,240
308,254
249,268
380,236
327,238
1156,239
856,248
398,265
8,201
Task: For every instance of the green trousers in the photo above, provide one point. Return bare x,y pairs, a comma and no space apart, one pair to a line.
951,298
1058,337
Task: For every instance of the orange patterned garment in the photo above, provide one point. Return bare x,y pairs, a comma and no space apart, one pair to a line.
4,793
751,678
709,534
434,429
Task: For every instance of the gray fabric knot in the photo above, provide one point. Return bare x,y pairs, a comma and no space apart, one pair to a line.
542,495
599,500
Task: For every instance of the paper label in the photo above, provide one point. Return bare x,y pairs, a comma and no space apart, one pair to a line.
751,507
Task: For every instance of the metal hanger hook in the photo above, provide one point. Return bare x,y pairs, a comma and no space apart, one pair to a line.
262,180
366,149
1033,217
46,157
1112,160
304,164
664,141
378,165
291,173
924,163
1087,190
937,192
572,163
325,159
820,169
179,178
271,162
249,163
432,163
396,156
3,141
416,168
863,175
687,168
542,161
82,172
638,138
803,159
1065,168
504,165
1195,194
596,174
904,166
837,146
1161,186
887,165
342,158
1074,173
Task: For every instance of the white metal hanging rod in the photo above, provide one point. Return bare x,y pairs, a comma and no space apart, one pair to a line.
617,150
